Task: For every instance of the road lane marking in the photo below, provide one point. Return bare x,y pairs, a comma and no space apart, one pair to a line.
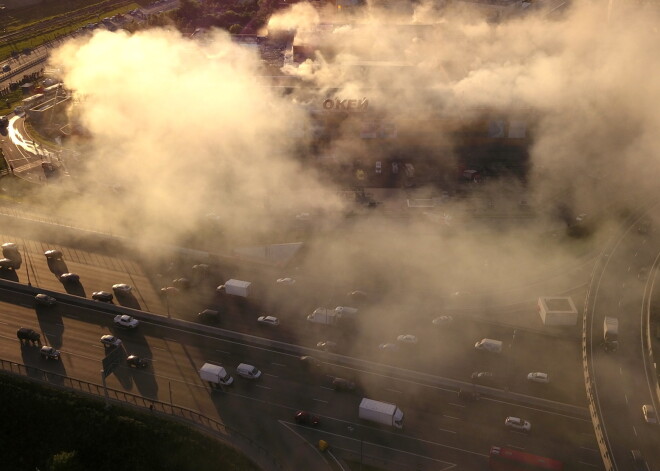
514,446
223,352
268,374
590,449
320,400
263,387
589,464
447,431
450,417
329,389
635,430
169,339
278,364
393,390
456,405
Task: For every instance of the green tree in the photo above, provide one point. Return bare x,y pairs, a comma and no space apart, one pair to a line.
66,461
235,29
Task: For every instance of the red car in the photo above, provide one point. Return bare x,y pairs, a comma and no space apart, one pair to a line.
305,418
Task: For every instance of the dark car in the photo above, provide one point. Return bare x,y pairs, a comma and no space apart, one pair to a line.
136,362
306,418
7,264
208,316
639,464
28,335
468,396
102,296
10,251
181,283
53,254
358,297
341,384
482,376
69,278
49,353
310,362
42,299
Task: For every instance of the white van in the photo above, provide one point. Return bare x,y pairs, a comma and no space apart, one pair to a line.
248,371
489,345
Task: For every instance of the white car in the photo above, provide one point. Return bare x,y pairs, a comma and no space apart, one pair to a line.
649,414
270,320
44,300
442,320
538,377
122,288
407,338
111,341
379,167
389,347
518,424
286,281
124,320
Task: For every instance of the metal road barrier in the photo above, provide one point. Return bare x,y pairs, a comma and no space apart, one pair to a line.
19,70
206,424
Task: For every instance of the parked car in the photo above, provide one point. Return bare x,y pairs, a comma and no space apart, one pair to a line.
649,414
111,341
388,347
516,423
28,335
102,296
53,254
49,353
42,299
122,288
326,345
407,338
69,278
538,377
442,321
268,320
306,418
341,384
286,281
126,321
135,361
208,316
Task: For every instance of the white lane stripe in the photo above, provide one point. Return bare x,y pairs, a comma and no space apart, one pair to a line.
456,405
320,400
278,364
223,352
263,387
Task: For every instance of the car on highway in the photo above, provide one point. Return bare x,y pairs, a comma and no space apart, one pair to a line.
28,335
111,341
407,339
7,264
538,377
126,321
49,353
285,281
326,345
442,321
518,424
341,384
248,371
268,320
135,361
69,278
305,418
122,288
53,254
310,362
482,376
42,299
379,167
102,296
648,411
639,463
388,347
643,274
468,396
181,283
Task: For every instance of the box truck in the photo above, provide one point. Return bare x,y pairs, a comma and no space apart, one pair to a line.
236,288
382,413
611,333
489,345
216,375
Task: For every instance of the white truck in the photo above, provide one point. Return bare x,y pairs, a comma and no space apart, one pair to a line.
216,375
236,288
327,316
382,413
611,333
489,345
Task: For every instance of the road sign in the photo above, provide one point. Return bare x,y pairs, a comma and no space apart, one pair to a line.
112,360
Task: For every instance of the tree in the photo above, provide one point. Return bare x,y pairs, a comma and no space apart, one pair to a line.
66,461
235,29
